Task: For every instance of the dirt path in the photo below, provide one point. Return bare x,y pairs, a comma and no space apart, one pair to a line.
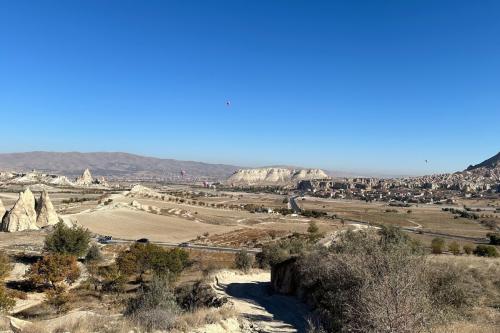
252,298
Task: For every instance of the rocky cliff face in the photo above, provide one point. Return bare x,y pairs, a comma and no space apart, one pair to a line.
23,215
46,214
274,176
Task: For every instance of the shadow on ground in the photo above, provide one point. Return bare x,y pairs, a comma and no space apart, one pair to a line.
283,308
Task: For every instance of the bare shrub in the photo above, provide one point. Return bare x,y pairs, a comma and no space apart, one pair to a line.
155,306
243,261
368,284
198,295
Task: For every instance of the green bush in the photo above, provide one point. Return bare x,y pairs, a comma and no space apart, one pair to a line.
93,254
155,307
280,251
486,251
243,261
64,240
437,245
454,248
468,249
141,258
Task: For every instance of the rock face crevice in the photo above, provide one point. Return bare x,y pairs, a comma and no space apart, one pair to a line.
28,215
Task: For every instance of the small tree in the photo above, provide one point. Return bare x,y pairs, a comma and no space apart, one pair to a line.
94,254
243,261
64,240
468,249
437,245
486,251
53,269
454,248
313,228
141,258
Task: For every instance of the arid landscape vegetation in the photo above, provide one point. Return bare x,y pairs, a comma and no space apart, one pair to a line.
103,256
188,166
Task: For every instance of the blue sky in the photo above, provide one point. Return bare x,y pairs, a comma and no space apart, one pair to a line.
374,86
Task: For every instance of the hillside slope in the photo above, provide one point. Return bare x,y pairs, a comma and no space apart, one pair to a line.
114,165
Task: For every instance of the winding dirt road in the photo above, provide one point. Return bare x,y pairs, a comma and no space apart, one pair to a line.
266,311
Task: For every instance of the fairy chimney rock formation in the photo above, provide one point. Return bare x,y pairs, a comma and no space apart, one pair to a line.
46,214
23,215
85,179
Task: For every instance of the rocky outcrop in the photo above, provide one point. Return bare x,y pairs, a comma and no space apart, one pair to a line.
143,191
273,176
2,210
23,215
46,214
285,277
85,179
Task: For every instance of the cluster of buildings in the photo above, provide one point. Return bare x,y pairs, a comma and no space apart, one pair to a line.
426,189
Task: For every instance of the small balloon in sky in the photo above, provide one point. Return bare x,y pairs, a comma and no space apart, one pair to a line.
426,161
228,103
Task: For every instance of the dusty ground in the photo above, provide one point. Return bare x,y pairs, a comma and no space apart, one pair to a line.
129,224
252,298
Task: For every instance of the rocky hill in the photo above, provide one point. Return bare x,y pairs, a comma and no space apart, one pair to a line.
273,176
114,166
492,162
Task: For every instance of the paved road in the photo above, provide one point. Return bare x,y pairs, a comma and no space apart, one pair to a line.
293,204
191,246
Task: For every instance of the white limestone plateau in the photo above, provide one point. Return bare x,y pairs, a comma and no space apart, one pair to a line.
274,176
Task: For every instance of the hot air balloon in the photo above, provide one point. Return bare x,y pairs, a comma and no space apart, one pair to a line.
183,173
228,103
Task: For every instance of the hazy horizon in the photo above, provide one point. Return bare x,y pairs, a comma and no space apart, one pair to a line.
341,172
368,87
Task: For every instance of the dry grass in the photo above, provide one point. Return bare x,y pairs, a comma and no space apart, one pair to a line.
431,218
201,317
85,324
464,327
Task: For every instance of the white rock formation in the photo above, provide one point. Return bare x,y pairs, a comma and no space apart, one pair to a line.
2,210
61,181
274,176
143,191
46,214
23,215
85,179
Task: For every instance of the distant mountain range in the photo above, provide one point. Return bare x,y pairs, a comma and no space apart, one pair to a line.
117,165
114,166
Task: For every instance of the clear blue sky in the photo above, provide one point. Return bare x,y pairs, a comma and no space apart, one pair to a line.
342,85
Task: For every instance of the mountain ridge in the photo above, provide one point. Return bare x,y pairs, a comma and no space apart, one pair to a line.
491,162
113,165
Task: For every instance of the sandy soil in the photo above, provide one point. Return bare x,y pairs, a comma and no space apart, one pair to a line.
267,311
129,224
